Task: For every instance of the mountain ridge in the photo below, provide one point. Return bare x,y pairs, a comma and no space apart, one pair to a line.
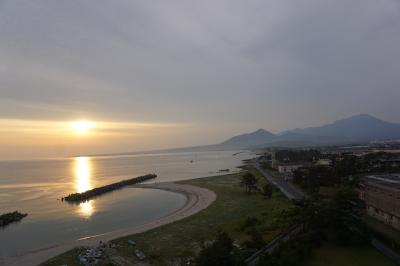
357,128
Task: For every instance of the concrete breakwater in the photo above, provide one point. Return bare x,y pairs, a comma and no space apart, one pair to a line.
89,194
11,217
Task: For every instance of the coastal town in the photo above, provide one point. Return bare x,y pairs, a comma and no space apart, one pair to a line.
199,133
357,187
352,192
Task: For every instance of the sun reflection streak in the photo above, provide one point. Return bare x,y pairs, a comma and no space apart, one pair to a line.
83,182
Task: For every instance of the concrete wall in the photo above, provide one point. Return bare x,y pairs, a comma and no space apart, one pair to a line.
384,217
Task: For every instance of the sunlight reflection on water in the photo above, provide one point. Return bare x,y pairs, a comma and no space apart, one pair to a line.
83,182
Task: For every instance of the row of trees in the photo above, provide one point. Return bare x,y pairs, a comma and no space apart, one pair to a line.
311,178
250,183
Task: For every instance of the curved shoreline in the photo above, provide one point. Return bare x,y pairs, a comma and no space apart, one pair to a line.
197,199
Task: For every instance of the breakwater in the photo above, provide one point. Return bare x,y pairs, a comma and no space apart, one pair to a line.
89,194
11,217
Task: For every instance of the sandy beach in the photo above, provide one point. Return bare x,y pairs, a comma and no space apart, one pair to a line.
197,200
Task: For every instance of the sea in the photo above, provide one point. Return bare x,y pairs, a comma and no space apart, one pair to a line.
36,187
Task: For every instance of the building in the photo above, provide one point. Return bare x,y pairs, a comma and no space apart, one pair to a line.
288,168
324,162
381,194
387,163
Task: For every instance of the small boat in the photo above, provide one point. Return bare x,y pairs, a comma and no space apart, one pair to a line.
131,242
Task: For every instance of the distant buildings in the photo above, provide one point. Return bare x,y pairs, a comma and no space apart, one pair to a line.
386,163
381,194
324,162
288,168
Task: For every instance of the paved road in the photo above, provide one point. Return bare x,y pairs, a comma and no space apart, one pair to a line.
292,192
386,250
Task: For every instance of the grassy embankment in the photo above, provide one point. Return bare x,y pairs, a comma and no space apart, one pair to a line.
183,239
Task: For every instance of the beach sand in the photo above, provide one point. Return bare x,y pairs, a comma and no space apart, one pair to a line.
197,200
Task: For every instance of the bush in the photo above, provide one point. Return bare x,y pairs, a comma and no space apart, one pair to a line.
256,239
249,222
220,253
267,190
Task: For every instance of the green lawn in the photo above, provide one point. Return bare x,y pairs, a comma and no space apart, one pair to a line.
330,255
184,238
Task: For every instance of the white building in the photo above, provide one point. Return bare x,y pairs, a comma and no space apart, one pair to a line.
287,168
324,162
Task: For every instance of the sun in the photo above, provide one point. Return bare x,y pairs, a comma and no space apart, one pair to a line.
82,126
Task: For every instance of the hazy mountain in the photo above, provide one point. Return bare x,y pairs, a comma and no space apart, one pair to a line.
358,128
355,129
250,139
361,127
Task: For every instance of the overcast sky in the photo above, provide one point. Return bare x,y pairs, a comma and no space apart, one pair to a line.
213,68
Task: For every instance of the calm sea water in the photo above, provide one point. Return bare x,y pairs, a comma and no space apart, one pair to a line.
34,187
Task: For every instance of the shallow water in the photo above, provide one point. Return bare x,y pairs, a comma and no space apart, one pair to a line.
35,186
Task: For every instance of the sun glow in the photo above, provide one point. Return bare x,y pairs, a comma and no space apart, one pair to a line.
82,126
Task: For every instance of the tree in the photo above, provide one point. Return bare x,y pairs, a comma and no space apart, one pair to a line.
298,176
220,253
249,181
267,190
256,239
347,166
336,220
344,217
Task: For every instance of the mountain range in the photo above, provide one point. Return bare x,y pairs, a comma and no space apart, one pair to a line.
355,129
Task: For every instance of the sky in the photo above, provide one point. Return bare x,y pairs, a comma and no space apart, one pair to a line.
162,74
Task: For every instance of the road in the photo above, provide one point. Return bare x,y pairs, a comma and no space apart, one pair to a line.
386,250
287,188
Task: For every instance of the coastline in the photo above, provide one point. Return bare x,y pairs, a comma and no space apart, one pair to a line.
197,200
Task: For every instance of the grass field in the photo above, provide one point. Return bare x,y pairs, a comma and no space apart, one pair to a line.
184,238
330,255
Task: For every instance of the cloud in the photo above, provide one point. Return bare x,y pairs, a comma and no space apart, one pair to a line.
232,65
